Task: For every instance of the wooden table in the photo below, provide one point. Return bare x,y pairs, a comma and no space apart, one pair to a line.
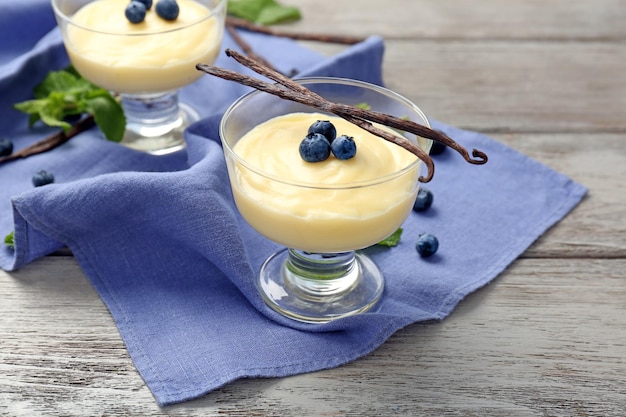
547,338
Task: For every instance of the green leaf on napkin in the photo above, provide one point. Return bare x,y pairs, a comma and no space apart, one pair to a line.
264,12
392,240
8,239
64,94
107,113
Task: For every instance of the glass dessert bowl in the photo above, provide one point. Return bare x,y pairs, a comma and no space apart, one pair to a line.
145,63
323,212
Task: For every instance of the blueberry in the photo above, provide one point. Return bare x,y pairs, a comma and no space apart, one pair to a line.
135,11
427,244
6,147
167,9
424,199
324,127
437,148
314,148
42,178
343,147
147,3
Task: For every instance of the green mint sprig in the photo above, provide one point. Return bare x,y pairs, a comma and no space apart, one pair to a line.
392,240
64,94
263,12
9,240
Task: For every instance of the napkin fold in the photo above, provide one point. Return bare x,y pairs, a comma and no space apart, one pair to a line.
161,240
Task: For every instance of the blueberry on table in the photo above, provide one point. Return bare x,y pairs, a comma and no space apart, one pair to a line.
427,244
424,199
325,128
315,148
343,147
135,11
6,147
147,3
167,9
42,178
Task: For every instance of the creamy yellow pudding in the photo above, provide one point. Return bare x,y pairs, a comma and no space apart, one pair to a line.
153,56
329,206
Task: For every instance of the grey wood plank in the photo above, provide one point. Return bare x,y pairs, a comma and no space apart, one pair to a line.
457,19
513,87
545,339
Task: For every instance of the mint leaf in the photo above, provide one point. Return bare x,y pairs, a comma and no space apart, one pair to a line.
49,110
32,119
392,240
53,112
65,93
59,81
264,12
245,9
275,13
9,239
52,120
33,108
363,106
108,115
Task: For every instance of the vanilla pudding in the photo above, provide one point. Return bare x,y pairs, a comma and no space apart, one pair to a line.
329,206
153,56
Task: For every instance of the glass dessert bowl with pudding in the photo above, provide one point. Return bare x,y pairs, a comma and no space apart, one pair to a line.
322,212
146,63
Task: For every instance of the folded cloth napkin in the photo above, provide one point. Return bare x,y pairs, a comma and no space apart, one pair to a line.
164,246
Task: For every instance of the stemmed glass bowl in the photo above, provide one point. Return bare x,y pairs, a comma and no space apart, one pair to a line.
322,274
145,63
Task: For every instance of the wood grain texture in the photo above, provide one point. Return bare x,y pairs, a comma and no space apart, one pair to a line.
547,338
514,86
463,19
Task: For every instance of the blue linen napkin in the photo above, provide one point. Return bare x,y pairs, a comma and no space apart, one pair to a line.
164,246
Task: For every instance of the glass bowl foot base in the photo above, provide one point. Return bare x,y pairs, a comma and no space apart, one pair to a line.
318,288
155,124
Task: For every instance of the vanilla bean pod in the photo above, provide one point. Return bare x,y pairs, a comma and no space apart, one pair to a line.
310,99
411,127
324,104
363,118
398,140
374,116
52,141
317,37
245,46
